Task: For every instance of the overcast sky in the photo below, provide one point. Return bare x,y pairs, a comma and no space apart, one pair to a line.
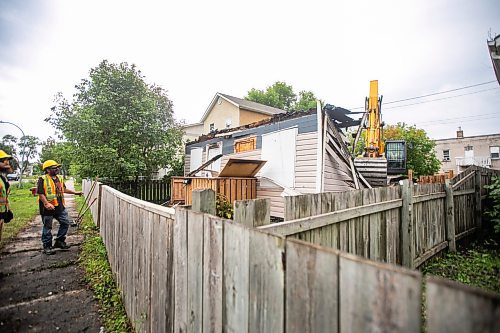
194,49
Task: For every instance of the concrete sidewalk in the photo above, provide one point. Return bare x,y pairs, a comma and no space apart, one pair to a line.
45,293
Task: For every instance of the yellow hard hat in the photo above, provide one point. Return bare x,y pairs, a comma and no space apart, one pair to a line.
49,163
4,155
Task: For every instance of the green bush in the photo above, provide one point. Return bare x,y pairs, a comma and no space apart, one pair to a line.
493,210
223,207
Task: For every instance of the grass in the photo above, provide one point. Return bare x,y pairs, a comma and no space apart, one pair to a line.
477,266
98,275
25,208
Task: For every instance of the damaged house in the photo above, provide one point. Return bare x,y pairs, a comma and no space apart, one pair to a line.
288,154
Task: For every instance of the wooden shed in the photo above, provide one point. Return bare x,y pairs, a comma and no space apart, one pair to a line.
235,182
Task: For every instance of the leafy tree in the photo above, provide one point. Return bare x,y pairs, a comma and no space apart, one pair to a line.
493,210
307,100
8,145
279,95
117,124
24,150
421,156
28,145
62,152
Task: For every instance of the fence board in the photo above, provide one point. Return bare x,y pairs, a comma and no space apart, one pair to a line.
311,288
452,307
236,277
181,270
195,271
212,274
378,297
266,283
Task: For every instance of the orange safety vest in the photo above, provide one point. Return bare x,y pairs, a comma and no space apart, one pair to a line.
4,194
50,190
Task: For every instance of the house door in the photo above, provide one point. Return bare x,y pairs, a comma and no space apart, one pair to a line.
278,149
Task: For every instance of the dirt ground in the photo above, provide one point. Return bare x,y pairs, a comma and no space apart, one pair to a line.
45,293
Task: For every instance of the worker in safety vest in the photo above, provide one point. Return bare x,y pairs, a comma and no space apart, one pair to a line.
5,212
51,191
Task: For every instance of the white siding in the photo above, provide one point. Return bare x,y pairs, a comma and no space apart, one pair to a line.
187,161
277,201
305,162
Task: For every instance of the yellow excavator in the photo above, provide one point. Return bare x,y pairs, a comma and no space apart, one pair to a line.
380,158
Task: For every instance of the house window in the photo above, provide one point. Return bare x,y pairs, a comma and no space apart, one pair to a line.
228,122
469,148
246,144
212,127
495,152
446,155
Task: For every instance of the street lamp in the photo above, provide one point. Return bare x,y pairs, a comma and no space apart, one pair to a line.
22,155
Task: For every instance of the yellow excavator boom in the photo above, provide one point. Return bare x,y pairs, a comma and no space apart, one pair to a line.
374,143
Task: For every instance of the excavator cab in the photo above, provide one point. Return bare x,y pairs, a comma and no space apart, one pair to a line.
395,154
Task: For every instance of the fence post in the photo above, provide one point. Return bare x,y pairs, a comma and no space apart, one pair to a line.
450,217
204,201
478,187
252,213
407,232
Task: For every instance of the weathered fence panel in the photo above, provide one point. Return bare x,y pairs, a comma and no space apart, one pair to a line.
236,277
377,297
456,308
196,272
383,224
311,285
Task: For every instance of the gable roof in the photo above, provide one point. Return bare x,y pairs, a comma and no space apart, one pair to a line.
242,103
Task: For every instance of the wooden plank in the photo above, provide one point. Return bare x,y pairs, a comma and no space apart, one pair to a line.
181,270
429,254
212,274
478,211
266,283
428,197
407,233
311,288
157,292
195,270
308,223
454,307
252,213
236,278
376,297
450,217
204,201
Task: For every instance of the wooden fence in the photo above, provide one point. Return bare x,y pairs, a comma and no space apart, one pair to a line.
403,225
155,191
194,272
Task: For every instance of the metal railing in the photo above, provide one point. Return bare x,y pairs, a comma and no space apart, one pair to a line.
482,161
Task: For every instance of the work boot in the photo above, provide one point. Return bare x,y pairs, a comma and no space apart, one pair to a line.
48,250
59,244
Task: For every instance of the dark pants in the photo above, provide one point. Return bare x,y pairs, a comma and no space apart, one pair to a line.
63,220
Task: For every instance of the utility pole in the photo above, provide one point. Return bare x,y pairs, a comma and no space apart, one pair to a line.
22,155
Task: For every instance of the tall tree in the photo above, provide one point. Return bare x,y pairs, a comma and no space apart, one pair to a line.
28,145
62,152
118,125
307,100
8,145
421,156
279,95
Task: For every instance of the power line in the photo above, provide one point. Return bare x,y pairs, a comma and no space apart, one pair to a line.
465,118
439,99
442,92
432,94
